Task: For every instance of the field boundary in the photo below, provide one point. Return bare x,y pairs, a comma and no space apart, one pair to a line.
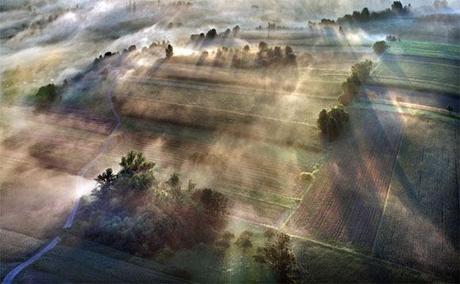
401,139
337,248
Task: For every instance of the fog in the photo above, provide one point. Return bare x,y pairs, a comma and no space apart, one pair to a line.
171,109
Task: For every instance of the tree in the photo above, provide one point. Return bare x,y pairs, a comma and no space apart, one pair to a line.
236,30
169,51
47,94
332,122
278,255
105,181
211,34
214,203
365,13
379,47
322,121
360,71
397,6
136,172
244,240
263,46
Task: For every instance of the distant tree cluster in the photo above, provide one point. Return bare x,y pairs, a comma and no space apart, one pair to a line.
133,211
274,26
379,47
359,74
278,255
397,9
392,38
154,46
265,57
212,35
332,122
181,3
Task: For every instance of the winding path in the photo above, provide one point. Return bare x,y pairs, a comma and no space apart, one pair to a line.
70,218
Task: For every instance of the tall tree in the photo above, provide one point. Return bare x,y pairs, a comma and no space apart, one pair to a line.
278,255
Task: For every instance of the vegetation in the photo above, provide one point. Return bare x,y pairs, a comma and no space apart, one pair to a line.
359,74
332,122
379,47
132,211
47,95
169,51
244,240
212,35
397,9
278,255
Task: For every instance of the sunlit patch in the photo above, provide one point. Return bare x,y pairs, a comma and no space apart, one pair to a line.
70,17
183,51
84,186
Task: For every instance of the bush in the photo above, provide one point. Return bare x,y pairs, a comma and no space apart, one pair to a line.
169,51
47,95
379,47
244,240
305,177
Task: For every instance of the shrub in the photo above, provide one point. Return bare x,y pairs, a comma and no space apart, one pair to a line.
379,47
47,95
305,177
244,240
169,51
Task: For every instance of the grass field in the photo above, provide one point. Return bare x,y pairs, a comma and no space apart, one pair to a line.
406,64
346,199
421,219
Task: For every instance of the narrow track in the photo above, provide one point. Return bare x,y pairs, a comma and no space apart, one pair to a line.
70,218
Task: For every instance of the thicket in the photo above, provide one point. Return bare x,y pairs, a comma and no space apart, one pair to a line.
133,211
47,95
331,122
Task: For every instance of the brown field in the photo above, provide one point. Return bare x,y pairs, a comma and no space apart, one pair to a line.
421,219
346,199
48,151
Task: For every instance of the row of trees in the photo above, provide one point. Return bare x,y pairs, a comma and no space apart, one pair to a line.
359,74
243,58
397,9
133,211
212,35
